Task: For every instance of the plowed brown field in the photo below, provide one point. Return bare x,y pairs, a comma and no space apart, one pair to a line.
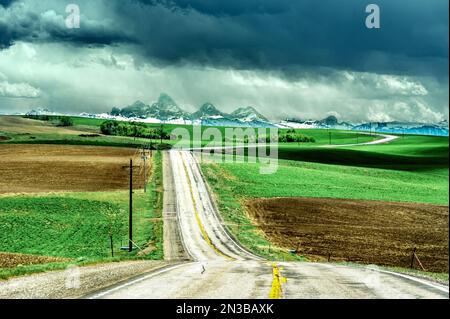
55,168
371,232
10,260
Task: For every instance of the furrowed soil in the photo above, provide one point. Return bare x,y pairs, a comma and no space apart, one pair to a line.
64,168
369,232
10,260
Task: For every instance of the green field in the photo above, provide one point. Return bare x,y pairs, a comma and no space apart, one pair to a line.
78,226
411,169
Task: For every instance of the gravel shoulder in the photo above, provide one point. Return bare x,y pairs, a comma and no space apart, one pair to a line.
74,282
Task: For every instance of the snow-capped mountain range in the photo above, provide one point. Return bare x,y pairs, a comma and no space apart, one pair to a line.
166,110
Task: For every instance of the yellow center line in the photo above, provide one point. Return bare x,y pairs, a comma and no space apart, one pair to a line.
276,292
197,216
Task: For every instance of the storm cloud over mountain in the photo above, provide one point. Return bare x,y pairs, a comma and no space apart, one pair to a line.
288,58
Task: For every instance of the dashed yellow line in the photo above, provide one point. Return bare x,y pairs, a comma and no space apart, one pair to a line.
276,292
197,216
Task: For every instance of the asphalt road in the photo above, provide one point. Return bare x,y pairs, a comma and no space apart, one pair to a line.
221,268
386,138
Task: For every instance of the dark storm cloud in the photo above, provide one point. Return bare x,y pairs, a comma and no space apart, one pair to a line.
21,23
288,58
284,35
6,3
220,8
290,36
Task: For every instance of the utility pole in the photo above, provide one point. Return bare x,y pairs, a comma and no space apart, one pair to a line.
130,235
130,218
144,157
111,245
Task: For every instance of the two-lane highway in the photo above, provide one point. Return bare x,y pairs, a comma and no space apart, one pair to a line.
221,268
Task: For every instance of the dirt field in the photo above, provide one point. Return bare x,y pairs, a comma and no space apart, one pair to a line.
10,260
54,168
371,232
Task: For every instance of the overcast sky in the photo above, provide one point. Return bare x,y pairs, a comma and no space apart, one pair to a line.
304,59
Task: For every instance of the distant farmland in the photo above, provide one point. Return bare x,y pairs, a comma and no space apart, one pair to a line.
53,168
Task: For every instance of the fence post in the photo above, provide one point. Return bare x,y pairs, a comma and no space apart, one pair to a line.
412,258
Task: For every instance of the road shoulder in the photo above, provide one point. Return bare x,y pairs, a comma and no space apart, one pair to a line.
74,282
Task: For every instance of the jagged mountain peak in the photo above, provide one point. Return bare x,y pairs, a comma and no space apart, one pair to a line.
167,105
207,110
139,103
166,101
330,120
248,113
208,107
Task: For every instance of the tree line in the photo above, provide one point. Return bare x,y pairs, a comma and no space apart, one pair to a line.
133,129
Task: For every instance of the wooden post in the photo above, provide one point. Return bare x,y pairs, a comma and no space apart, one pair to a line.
418,261
412,257
111,243
329,257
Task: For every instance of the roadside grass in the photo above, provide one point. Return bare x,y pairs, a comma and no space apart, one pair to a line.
438,277
236,221
78,225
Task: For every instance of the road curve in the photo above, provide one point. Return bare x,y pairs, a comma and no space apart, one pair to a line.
385,139
204,236
223,269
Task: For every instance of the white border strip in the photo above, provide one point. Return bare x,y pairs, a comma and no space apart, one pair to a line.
132,282
422,281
